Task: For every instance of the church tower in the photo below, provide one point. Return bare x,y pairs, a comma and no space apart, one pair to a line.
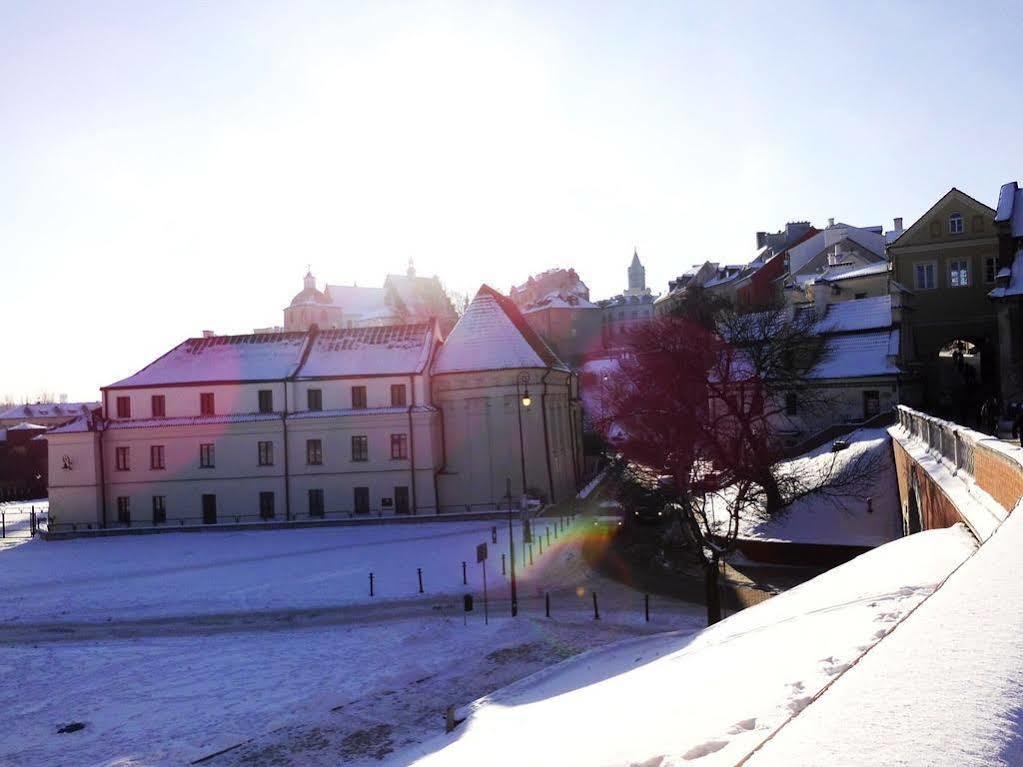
637,274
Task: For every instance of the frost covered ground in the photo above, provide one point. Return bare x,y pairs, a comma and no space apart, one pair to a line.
170,648
710,697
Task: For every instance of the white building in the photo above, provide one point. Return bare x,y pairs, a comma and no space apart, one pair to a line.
326,423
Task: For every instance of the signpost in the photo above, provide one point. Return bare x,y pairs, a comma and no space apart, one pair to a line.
481,557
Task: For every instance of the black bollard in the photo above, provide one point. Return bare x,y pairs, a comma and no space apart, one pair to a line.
548,531
371,584
531,553
541,545
547,604
596,612
493,534
465,581
419,572
646,606
3,524
502,565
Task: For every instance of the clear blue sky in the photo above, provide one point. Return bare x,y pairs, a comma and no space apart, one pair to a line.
170,167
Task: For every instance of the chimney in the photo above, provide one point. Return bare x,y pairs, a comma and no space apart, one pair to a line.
898,224
208,334
831,222
761,239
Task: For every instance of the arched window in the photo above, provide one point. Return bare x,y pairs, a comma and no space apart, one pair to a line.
955,223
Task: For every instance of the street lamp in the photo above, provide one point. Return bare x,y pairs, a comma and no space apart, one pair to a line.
522,388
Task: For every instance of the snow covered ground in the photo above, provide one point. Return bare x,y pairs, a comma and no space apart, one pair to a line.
713,696
172,647
17,515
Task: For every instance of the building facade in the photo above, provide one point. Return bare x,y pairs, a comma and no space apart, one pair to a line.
324,424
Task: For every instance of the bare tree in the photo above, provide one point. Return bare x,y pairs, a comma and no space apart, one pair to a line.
699,399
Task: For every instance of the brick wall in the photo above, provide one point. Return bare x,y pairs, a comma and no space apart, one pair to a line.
936,509
999,476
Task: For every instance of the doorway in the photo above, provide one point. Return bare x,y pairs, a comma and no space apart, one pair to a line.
209,509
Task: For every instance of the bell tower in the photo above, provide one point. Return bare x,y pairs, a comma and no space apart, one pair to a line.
637,274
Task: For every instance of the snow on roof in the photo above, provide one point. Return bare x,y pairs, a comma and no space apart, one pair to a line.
256,357
80,424
355,300
859,314
559,299
833,275
714,696
860,355
839,520
1010,208
493,335
801,254
386,350
1014,284
26,426
945,688
29,411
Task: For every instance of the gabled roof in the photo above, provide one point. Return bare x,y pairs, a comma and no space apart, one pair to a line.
29,411
953,192
559,300
1010,208
253,357
860,355
388,350
860,314
840,273
493,335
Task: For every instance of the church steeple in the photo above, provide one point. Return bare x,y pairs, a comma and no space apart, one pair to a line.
637,273
411,272
310,282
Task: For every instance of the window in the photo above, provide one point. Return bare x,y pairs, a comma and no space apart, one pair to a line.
266,453
266,505
266,401
955,224
362,500
360,447
871,403
159,509
923,275
124,407
313,452
123,510
358,397
397,395
314,399
859,296
159,405
316,502
399,446
122,458
791,404
958,273
156,457
401,504
990,269
206,403
206,457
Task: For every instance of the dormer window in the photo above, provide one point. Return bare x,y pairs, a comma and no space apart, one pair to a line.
955,224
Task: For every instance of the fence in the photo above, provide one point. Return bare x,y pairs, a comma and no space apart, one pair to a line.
946,440
22,520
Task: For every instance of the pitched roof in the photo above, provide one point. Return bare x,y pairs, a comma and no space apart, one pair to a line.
29,411
842,273
559,300
387,350
950,193
859,314
253,357
1010,208
493,335
860,355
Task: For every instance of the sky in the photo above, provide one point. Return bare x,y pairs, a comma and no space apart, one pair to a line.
167,168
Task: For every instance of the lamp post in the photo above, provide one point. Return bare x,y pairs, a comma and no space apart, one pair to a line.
522,391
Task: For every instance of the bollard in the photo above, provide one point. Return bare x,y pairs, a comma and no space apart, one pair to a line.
547,604
371,584
3,524
449,719
465,581
548,531
540,539
32,522
493,535
419,572
502,565
531,554
646,606
596,612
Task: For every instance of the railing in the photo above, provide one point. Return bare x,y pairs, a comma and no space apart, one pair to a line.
949,441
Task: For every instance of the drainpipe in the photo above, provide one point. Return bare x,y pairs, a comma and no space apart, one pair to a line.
546,441
102,473
443,451
412,442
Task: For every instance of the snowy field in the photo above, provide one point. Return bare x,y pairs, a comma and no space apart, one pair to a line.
712,697
170,648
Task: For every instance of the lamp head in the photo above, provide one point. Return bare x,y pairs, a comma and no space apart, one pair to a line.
526,399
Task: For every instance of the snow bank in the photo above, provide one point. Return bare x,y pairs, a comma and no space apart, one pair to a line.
714,695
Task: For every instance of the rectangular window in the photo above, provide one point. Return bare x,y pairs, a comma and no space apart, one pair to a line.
958,274
266,453
159,405
266,401
313,452
362,500
358,397
924,276
156,457
123,510
316,502
206,456
399,446
266,505
955,224
124,407
791,404
398,395
122,458
401,504
990,269
159,509
871,403
206,403
360,447
314,399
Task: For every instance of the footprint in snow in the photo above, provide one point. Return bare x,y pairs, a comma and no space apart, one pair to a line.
703,749
744,726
